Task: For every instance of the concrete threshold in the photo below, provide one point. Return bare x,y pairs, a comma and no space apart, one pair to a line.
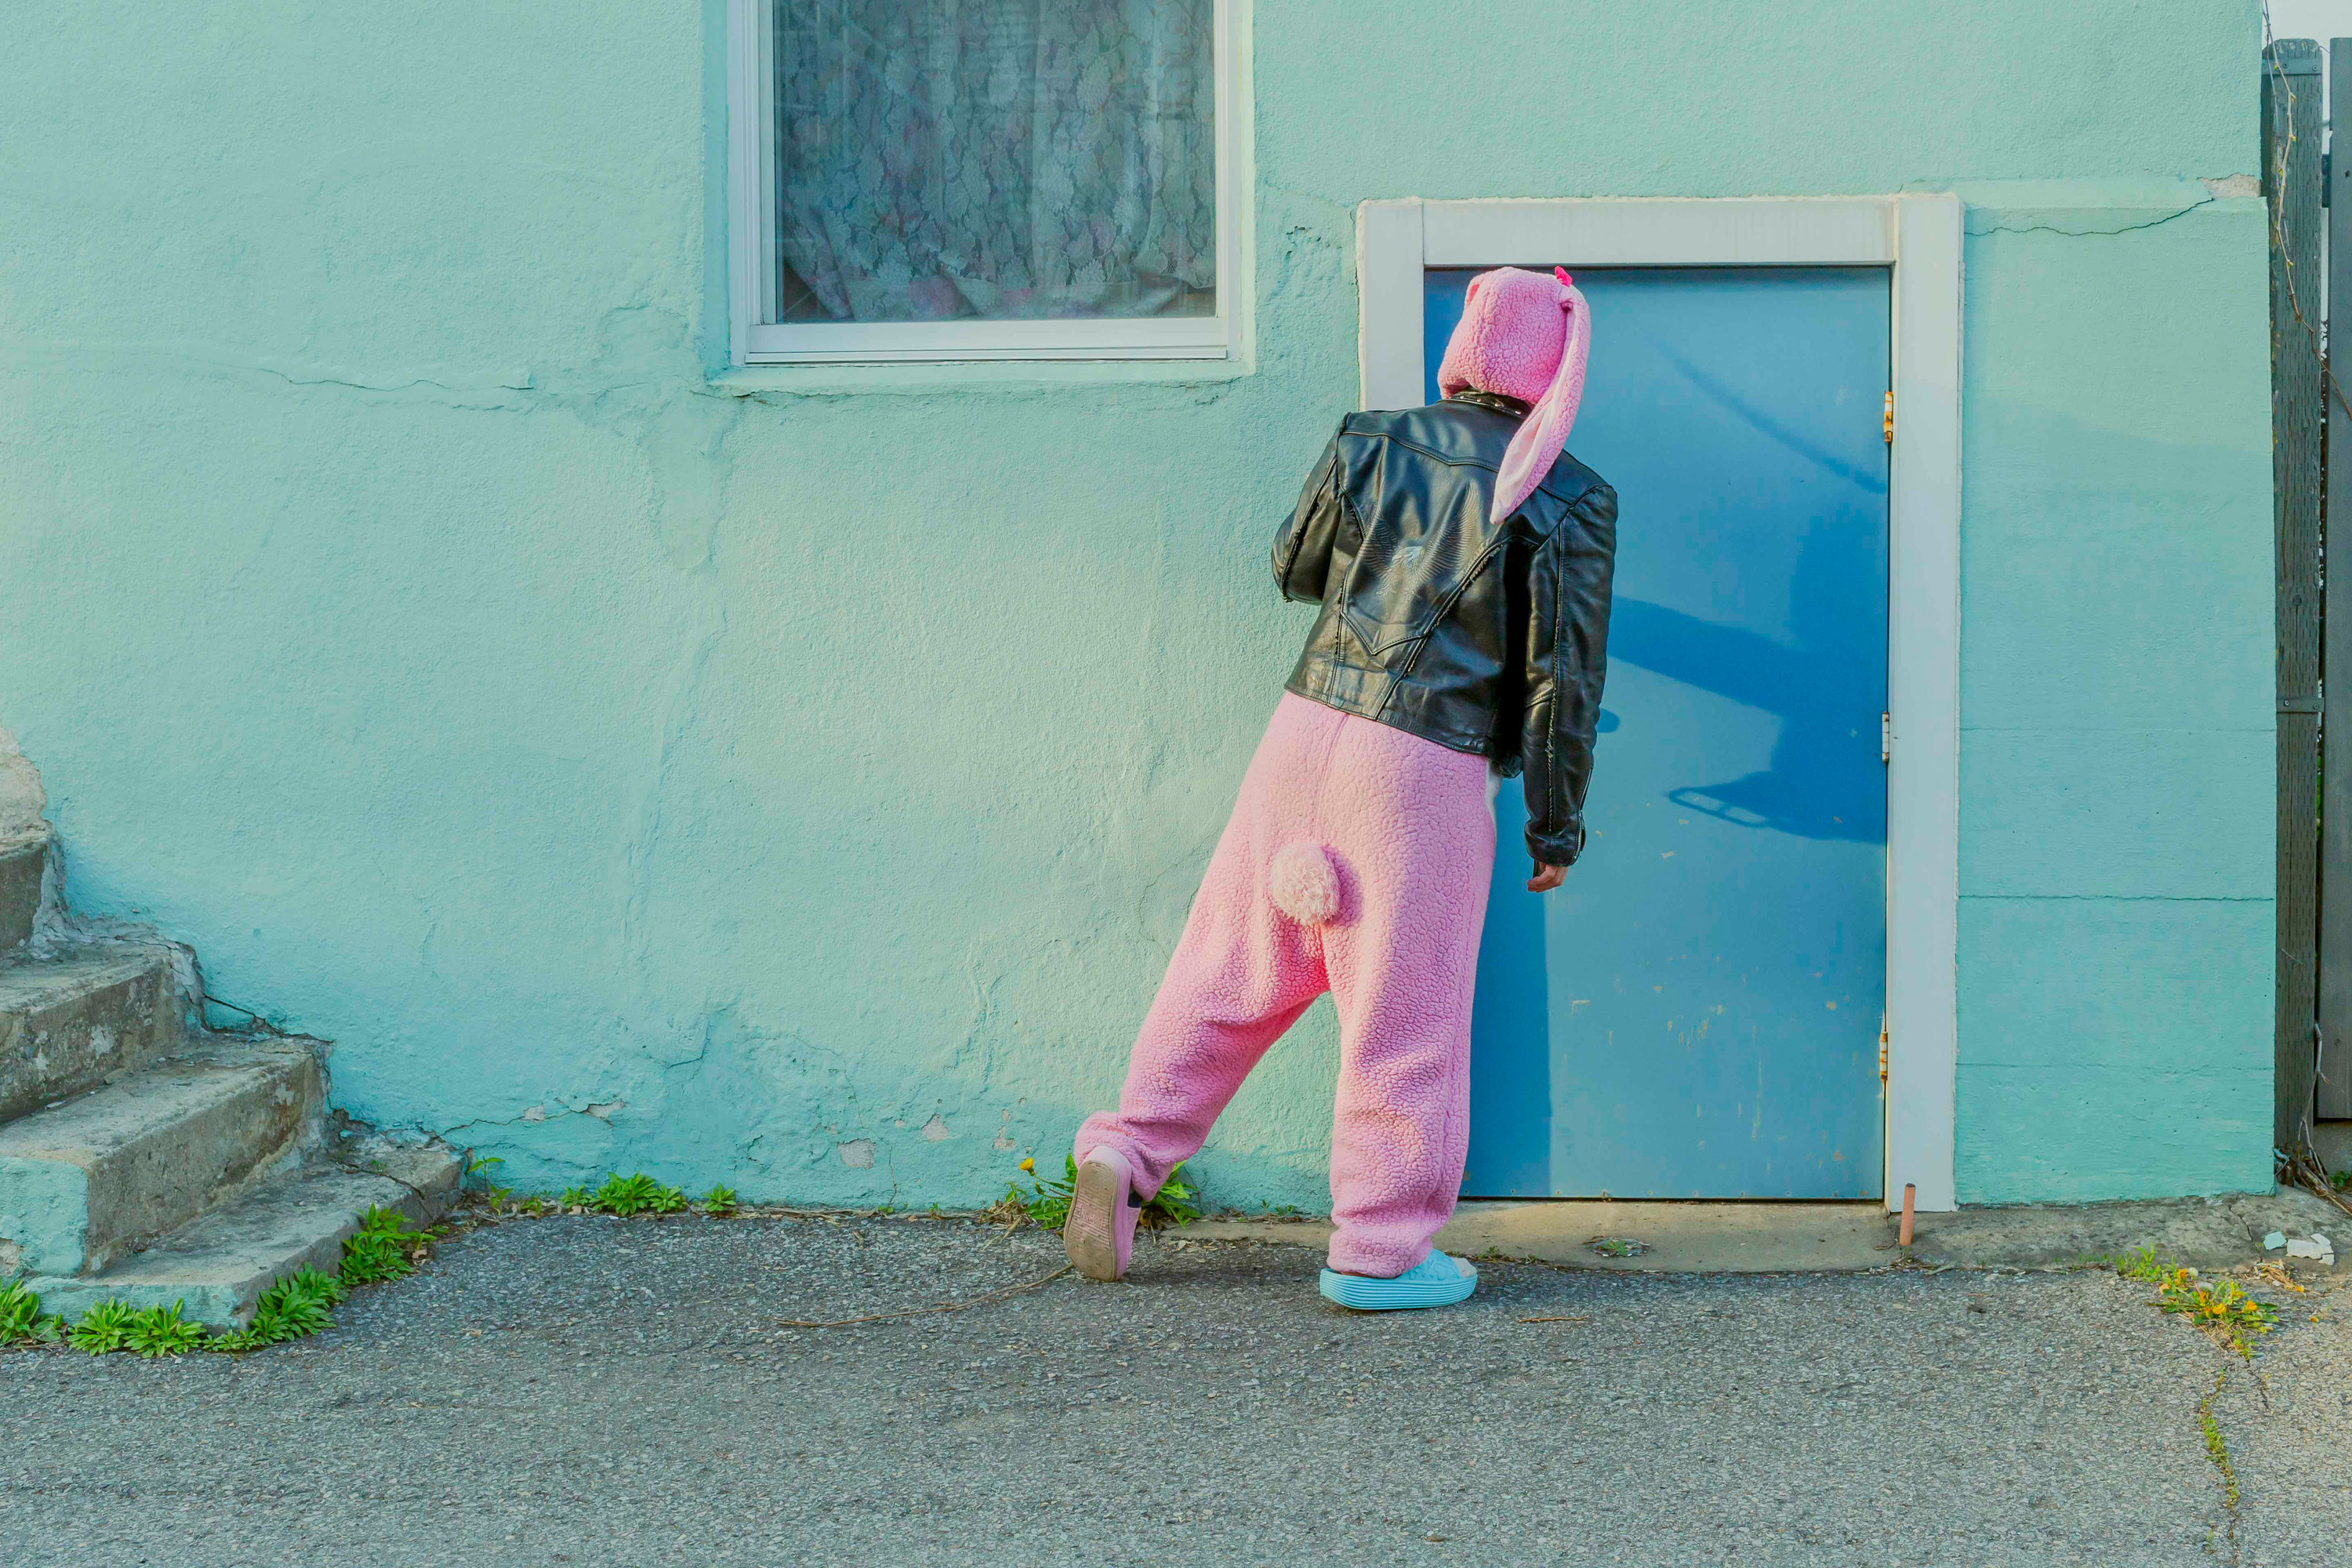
1848,1237
1647,1237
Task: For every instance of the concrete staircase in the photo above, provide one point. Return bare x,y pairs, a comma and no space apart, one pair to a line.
144,1158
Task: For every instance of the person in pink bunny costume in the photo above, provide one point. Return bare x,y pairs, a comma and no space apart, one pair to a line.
1461,561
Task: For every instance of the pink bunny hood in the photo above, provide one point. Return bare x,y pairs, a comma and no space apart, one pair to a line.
1525,336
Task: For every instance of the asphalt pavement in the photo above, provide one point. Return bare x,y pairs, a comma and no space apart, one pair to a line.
586,1390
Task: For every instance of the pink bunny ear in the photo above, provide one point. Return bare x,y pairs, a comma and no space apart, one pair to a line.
1565,281
1541,435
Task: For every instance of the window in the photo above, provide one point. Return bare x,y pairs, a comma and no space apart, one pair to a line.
982,179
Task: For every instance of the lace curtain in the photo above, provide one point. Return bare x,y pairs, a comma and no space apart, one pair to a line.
994,159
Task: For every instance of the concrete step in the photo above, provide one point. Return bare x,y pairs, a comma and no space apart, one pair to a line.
23,857
71,1020
85,1182
218,1265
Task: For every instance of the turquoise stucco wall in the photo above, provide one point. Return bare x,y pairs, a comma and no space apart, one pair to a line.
743,782
2116,760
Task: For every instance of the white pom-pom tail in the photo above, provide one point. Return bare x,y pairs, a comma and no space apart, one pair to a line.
1303,883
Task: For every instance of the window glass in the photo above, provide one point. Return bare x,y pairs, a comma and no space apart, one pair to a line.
994,159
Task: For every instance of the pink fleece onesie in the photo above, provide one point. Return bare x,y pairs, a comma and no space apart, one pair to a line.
1409,829
1356,862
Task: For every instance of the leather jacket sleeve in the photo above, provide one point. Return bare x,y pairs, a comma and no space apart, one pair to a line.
1302,549
1567,658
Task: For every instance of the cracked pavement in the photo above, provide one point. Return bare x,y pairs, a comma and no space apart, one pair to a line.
593,1391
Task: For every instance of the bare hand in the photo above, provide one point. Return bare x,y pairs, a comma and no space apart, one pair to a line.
1546,877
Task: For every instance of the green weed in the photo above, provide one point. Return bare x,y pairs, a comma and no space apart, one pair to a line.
297,1306
387,1247
479,1181
2143,1264
637,1194
1175,1204
2217,1450
117,1325
2224,1312
161,1332
105,1327
1048,1206
22,1321
719,1202
303,1299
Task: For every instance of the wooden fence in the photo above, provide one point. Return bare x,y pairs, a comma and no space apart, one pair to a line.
2310,461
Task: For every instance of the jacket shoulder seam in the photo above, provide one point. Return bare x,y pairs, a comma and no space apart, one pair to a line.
1580,497
1430,452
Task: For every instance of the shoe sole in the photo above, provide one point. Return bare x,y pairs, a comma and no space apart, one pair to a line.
1359,1294
1087,1235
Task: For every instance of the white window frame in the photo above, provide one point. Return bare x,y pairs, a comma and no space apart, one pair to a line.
1917,238
758,339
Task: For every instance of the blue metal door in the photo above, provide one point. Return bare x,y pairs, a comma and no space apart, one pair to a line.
1697,1014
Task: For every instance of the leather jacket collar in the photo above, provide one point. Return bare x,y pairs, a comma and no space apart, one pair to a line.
1494,400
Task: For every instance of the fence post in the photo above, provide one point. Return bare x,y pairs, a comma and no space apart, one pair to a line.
2290,180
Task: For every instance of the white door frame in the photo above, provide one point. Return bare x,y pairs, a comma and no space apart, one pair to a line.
1917,238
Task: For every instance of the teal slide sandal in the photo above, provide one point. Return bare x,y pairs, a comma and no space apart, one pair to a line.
1437,1280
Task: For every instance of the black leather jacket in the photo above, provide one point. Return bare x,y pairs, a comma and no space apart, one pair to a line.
1482,638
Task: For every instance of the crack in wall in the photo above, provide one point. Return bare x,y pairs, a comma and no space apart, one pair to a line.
535,1116
2090,232
496,386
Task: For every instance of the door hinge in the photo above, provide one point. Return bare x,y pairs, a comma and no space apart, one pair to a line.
1888,427
1886,737
1882,1052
